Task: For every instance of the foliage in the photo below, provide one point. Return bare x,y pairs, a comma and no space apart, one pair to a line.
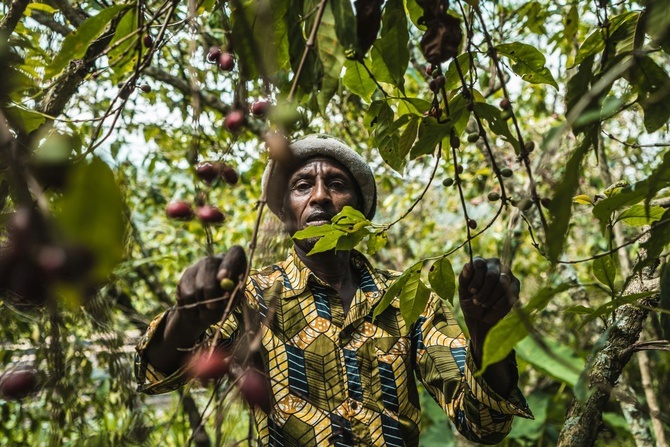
108,110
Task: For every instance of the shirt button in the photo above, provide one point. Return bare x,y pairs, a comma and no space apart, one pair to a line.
354,406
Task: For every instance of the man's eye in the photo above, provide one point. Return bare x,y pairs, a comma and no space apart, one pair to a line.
301,186
337,185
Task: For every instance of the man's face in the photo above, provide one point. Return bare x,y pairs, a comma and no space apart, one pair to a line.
317,190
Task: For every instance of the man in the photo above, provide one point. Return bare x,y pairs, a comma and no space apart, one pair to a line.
338,377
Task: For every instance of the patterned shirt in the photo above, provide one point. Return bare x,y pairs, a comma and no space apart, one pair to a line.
347,380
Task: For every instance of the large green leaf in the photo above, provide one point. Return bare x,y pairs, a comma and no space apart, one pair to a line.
414,296
610,306
357,80
394,289
390,55
595,42
605,271
496,122
644,189
345,23
442,279
90,213
430,134
502,337
652,84
407,137
561,203
639,215
332,57
22,119
123,55
528,62
77,42
551,358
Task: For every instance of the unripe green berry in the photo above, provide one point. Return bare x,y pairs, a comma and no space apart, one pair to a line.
455,141
506,172
525,204
493,196
473,137
227,284
529,146
448,181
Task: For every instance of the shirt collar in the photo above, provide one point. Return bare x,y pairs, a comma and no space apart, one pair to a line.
296,276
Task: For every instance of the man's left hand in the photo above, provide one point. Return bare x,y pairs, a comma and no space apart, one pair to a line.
487,291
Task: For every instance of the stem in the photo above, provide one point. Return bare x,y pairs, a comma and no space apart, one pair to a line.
308,46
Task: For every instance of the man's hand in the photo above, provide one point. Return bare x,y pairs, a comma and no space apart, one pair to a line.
205,289
204,293
487,291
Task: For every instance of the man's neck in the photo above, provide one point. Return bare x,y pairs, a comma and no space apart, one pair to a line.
334,268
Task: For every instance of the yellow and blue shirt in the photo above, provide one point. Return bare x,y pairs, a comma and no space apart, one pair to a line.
347,380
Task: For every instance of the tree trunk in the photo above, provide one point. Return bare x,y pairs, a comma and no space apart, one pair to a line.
584,419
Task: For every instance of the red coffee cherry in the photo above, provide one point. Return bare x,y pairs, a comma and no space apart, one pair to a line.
229,175
255,389
147,41
214,54
207,172
226,62
209,214
18,384
179,209
234,120
206,366
260,108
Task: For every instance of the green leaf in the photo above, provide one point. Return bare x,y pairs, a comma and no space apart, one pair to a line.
570,24
442,279
528,63
376,242
610,306
326,242
592,45
91,214
390,55
638,215
332,57
351,239
451,75
659,239
502,337
430,134
561,203
644,189
39,7
530,430
315,231
551,358
583,199
77,42
387,137
664,302
123,55
394,289
407,137
348,216
23,119
651,82
604,269
357,80
414,297
496,123
345,23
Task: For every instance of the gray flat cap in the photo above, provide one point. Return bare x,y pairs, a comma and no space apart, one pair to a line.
312,146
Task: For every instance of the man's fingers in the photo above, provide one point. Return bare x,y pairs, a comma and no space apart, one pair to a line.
491,278
234,265
186,291
206,282
479,273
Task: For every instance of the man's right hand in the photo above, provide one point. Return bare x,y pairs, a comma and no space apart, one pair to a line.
201,299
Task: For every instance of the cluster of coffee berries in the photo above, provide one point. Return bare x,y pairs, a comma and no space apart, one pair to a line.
211,366
31,260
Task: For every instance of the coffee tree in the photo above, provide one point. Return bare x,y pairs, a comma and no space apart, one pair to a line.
133,137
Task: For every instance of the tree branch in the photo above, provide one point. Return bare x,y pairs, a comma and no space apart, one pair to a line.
183,86
12,18
74,15
47,20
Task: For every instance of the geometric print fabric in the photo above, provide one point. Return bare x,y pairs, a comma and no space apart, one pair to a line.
348,380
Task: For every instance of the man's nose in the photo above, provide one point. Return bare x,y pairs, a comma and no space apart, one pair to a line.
320,193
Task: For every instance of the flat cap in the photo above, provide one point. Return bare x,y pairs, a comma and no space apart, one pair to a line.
275,179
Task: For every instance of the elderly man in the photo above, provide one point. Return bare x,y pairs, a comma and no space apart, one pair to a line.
337,376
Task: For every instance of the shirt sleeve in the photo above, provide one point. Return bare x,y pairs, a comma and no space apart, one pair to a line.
152,381
445,367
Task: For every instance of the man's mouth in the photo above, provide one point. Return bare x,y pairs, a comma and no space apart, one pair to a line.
318,219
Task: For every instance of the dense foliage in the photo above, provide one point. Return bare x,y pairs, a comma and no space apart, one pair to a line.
534,131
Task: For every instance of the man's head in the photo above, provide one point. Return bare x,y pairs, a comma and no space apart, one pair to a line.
321,176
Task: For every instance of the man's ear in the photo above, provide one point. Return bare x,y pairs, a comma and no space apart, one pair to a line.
281,214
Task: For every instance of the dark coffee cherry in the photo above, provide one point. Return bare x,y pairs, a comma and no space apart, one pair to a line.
472,224
234,120
18,384
506,172
229,175
147,40
214,54
260,108
207,172
226,62
145,88
493,196
255,389
210,214
473,137
505,104
179,209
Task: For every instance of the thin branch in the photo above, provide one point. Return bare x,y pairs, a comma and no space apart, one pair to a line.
12,18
